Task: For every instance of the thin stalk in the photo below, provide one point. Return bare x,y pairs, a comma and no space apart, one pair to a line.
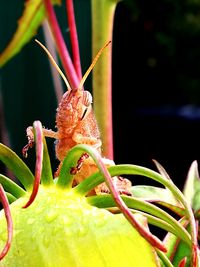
102,29
73,37
61,47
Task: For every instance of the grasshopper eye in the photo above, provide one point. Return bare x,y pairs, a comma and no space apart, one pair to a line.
84,113
87,98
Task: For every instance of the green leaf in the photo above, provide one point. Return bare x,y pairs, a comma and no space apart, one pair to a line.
17,166
161,170
65,177
10,198
165,262
154,194
176,249
11,187
159,195
47,177
192,187
32,17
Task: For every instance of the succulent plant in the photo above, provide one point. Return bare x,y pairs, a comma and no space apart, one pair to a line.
57,224
54,224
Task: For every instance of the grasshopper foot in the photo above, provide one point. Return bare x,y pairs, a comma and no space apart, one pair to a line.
30,135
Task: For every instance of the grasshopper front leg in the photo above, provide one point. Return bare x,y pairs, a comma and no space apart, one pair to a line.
30,136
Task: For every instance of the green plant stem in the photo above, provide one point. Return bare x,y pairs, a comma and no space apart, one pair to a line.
102,29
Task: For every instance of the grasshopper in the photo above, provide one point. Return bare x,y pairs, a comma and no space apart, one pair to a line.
76,124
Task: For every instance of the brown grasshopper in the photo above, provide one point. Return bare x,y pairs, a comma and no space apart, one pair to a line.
76,124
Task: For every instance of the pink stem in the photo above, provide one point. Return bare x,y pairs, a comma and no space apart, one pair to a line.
6,207
74,37
61,47
39,158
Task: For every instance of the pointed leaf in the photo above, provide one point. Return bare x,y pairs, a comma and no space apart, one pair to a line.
159,195
164,259
17,166
161,170
10,198
177,210
154,194
192,187
32,17
11,187
176,249
47,177
182,251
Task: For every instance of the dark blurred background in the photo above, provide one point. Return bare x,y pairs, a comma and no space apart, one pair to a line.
156,81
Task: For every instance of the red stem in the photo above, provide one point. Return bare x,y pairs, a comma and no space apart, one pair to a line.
61,47
39,159
74,37
6,207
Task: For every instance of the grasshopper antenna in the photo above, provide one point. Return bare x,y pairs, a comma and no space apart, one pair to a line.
54,64
92,65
